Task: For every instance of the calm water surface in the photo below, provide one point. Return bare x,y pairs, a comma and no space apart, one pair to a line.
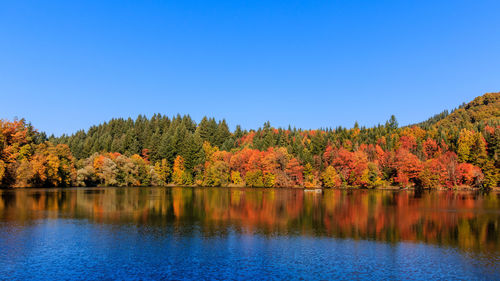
223,233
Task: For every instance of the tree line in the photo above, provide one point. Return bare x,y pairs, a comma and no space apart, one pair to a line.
460,148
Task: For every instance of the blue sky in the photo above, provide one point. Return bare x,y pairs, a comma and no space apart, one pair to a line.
66,65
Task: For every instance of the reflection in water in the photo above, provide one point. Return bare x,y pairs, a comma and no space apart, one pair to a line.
469,221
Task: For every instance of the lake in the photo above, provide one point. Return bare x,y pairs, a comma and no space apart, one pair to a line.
236,233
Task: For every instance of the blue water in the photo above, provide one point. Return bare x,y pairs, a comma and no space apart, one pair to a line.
79,250
209,234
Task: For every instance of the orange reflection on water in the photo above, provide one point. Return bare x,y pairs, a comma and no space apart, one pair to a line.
470,221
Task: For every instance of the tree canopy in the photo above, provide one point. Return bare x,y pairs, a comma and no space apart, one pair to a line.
448,150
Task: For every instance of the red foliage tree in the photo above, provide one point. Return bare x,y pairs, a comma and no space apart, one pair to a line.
294,172
407,166
468,174
351,166
430,148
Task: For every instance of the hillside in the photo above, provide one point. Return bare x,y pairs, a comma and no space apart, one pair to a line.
484,109
448,150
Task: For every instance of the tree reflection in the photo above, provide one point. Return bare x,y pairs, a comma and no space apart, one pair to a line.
466,220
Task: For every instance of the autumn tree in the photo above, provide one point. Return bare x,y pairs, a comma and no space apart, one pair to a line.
407,167
330,178
52,165
294,172
465,142
373,176
236,178
216,174
179,173
351,166
254,178
430,148
163,171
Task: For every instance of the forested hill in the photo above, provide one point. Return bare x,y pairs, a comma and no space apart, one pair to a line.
460,148
482,110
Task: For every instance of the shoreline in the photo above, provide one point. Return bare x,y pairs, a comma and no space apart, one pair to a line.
391,188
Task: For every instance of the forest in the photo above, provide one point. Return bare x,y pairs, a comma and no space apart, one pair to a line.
449,150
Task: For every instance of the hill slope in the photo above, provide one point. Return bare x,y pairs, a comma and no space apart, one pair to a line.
483,109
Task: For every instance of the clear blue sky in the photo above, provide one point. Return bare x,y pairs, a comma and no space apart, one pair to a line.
66,65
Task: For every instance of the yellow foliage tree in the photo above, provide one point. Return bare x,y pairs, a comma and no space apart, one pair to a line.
163,171
269,180
236,178
2,170
178,171
465,142
330,177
